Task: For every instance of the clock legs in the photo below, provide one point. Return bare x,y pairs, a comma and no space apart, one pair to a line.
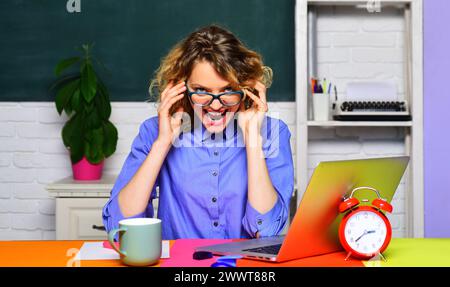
382,256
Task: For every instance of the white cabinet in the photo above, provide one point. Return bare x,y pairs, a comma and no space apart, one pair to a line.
79,206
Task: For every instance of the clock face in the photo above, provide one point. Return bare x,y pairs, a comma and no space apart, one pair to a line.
365,232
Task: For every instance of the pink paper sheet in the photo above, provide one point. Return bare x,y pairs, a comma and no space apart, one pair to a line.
106,244
183,249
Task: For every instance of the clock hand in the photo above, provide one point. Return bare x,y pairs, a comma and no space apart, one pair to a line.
365,233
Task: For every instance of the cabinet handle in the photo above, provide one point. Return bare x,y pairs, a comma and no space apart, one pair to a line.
98,227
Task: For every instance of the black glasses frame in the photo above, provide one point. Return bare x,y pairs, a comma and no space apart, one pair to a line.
214,96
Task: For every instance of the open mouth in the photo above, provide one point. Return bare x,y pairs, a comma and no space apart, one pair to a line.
214,118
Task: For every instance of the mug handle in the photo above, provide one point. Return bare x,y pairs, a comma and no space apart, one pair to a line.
111,236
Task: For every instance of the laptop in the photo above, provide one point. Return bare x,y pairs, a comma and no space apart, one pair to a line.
314,229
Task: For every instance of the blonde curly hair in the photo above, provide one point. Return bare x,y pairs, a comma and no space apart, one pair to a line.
222,49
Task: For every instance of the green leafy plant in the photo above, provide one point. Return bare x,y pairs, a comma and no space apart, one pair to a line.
85,99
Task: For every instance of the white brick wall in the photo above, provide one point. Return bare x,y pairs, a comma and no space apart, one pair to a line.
32,155
354,45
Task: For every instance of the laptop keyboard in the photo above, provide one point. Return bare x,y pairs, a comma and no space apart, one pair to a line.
271,249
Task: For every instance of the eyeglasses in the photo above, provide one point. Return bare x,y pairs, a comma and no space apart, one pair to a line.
204,99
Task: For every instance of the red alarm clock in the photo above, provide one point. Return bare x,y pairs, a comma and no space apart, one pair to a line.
364,230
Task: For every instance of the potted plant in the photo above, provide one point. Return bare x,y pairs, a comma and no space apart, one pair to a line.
88,134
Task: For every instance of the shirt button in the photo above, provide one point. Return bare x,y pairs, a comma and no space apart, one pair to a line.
214,199
259,222
216,153
216,223
214,173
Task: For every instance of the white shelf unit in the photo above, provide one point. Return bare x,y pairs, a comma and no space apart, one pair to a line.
413,92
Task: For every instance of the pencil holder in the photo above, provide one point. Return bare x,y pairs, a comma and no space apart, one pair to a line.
321,106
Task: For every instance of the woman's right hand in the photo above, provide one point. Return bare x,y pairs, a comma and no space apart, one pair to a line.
169,126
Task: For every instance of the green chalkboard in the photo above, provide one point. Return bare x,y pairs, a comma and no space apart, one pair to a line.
130,38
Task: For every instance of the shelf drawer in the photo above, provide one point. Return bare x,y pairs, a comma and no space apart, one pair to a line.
76,218
81,218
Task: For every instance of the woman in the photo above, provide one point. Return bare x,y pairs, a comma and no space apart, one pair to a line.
224,169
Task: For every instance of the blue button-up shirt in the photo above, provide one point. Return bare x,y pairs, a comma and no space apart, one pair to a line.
203,183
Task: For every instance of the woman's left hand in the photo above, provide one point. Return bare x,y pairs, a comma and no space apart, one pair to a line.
250,120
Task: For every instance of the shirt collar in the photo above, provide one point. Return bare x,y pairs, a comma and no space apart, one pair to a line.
203,135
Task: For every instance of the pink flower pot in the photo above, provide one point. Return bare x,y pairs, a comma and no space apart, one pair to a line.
84,170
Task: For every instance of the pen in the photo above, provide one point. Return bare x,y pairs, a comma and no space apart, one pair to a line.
313,85
335,93
335,97
319,89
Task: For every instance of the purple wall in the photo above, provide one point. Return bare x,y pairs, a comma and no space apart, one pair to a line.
437,117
